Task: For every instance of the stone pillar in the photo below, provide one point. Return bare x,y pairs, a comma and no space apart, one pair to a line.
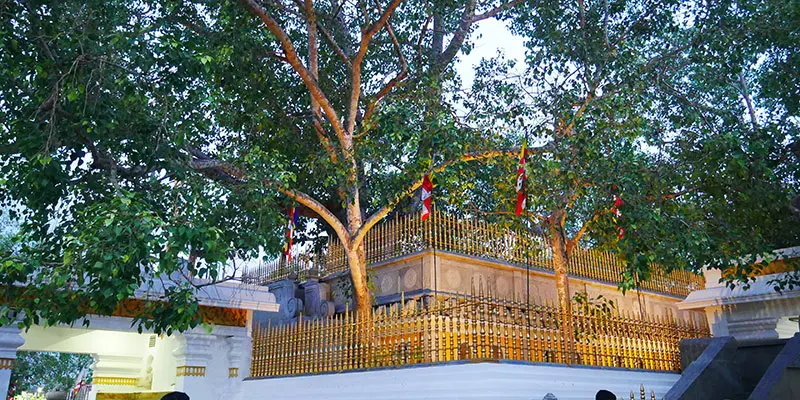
10,341
238,361
192,357
93,392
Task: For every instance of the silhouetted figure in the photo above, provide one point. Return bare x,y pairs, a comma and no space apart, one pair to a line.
180,396
605,395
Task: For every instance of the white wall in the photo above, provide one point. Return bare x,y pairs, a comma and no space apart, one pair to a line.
121,353
86,341
474,381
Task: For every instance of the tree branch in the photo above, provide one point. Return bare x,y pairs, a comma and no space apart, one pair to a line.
335,46
573,243
212,167
366,36
670,196
497,10
321,210
458,37
294,61
394,81
746,94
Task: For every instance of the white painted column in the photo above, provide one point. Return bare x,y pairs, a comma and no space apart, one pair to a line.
238,363
10,341
192,358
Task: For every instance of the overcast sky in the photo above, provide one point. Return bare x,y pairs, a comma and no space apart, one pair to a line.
490,36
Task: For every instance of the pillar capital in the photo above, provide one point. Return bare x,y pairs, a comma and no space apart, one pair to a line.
10,341
194,350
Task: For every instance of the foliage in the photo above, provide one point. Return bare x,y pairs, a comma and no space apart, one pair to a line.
646,100
49,371
140,134
593,306
345,287
597,307
29,396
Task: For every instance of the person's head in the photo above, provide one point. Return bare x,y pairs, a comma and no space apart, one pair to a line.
605,395
175,396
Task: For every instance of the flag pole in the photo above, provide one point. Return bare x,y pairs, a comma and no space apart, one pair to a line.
528,250
433,245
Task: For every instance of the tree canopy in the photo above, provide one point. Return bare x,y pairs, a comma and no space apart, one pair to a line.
50,371
152,138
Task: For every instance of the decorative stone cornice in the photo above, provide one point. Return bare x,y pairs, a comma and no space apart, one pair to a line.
222,294
194,349
237,348
10,341
759,291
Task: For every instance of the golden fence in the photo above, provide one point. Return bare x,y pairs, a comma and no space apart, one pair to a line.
473,237
441,329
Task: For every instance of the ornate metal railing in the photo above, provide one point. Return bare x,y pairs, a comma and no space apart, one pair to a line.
472,237
435,330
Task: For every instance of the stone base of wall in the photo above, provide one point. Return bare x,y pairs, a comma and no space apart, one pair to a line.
455,381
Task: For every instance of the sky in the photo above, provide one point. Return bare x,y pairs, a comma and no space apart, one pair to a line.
490,36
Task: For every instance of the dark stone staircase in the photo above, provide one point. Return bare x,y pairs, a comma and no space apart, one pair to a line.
724,368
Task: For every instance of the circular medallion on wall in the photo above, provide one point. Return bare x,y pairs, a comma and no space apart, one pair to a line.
387,284
453,279
502,286
410,279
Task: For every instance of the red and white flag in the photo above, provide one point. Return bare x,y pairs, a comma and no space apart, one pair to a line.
293,213
427,189
618,202
521,178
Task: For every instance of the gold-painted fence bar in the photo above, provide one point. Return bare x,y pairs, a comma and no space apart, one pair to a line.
440,329
468,236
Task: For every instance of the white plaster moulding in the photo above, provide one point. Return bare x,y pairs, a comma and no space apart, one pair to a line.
223,294
760,290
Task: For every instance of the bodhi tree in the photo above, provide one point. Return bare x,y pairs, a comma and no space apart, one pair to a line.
157,141
139,134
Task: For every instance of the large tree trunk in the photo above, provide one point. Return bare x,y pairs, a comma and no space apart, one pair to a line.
558,245
357,261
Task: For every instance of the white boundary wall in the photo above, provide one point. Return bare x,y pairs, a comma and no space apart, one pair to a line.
505,380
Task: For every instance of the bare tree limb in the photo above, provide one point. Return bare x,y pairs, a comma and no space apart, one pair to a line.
204,163
394,81
366,37
297,65
748,101
669,196
497,10
335,46
321,210
458,37
573,243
